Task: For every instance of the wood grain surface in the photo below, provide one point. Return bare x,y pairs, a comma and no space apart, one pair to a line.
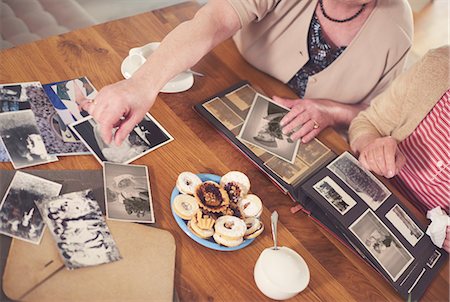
337,274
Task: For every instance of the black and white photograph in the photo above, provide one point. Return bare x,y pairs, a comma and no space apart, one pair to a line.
335,195
79,229
262,129
147,136
223,113
361,181
393,257
19,217
404,224
433,258
22,139
127,193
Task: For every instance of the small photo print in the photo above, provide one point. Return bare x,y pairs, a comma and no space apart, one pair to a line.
433,259
127,193
287,171
13,97
79,229
393,257
311,152
19,217
242,97
335,195
22,139
364,183
147,136
404,224
262,129
223,113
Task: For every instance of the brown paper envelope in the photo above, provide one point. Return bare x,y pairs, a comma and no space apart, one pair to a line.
145,273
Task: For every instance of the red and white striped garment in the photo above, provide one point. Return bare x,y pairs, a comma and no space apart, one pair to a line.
427,150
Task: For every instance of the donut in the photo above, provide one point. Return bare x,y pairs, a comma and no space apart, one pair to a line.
193,227
236,181
187,182
185,206
230,227
250,206
211,197
227,242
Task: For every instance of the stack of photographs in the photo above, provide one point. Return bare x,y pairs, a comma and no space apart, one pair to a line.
374,222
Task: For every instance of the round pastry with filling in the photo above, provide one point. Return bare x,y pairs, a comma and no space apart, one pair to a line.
236,184
211,197
227,242
185,206
250,206
254,227
230,227
187,182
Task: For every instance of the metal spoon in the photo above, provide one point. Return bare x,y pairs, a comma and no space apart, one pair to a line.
274,221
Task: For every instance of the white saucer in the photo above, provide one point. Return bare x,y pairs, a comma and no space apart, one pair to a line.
181,82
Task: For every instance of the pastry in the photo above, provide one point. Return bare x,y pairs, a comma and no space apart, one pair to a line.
185,206
230,227
236,184
211,197
187,182
193,227
227,242
253,224
204,222
250,206
255,232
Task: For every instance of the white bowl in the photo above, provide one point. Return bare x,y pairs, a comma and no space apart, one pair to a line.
281,274
138,55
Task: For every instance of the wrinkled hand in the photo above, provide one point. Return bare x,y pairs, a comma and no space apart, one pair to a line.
446,244
121,105
306,118
382,156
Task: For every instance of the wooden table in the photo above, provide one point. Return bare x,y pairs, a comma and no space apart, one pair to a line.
337,274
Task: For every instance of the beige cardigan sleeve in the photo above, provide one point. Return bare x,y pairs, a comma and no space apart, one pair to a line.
252,10
383,115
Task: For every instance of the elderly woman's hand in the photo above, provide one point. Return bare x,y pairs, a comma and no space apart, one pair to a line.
121,105
382,156
306,118
446,244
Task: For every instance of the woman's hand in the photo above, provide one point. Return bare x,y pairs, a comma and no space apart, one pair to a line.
121,105
306,118
446,244
382,156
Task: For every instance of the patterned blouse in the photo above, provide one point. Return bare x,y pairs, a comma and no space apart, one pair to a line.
321,54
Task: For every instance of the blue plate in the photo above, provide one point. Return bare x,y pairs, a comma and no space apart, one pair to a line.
210,243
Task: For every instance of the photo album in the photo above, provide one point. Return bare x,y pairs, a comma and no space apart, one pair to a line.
333,189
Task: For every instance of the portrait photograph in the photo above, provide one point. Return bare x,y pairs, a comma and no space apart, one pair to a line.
127,193
404,224
147,136
22,139
382,244
262,129
19,216
79,229
335,195
361,181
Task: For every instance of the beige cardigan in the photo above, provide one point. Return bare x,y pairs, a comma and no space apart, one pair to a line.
274,35
401,108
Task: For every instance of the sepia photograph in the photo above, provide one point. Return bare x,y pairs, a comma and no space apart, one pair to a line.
127,193
290,173
223,113
312,152
240,100
404,224
19,217
393,257
335,195
147,136
362,182
433,258
22,139
262,129
79,229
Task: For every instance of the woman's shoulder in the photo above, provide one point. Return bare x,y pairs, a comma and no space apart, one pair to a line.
398,13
